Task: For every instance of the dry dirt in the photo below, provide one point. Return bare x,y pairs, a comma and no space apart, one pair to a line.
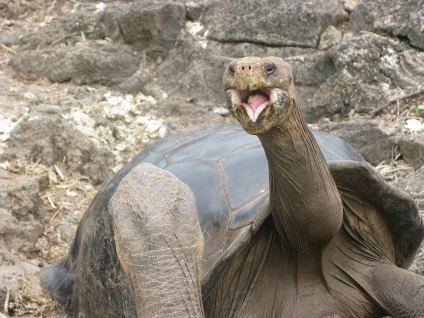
67,197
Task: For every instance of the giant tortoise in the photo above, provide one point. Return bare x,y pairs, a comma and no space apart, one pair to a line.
213,222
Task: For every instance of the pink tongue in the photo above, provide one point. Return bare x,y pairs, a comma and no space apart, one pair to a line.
256,100
255,104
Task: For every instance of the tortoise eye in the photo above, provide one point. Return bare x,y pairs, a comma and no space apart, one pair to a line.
270,68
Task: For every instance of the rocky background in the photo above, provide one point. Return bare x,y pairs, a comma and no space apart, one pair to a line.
84,85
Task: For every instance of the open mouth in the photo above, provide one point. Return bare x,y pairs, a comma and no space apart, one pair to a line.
254,102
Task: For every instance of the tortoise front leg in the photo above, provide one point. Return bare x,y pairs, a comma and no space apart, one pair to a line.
159,242
398,291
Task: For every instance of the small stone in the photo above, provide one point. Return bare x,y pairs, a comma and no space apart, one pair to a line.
414,126
330,37
30,96
120,147
391,131
412,150
351,4
222,111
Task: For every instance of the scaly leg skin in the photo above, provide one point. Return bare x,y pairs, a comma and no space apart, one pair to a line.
159,242
399,291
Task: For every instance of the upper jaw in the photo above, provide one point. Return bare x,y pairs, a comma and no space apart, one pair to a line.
254,101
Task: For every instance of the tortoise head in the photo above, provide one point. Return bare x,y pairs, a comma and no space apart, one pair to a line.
260,92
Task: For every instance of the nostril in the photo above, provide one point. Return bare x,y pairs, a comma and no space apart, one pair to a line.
246,67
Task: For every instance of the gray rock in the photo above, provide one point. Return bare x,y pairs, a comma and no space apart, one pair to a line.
343,93
330,37
14,273
22,211
150,26
135,83
404,19
272,22
412,149
88,63
365,136
311,69
181,113
355,75
192,72
69,29
237,50
362,66
199,70
195,9
377,59
83,22
48,138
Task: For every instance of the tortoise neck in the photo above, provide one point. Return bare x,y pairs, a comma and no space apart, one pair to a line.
305,203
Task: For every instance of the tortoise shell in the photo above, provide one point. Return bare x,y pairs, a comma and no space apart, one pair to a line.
228,173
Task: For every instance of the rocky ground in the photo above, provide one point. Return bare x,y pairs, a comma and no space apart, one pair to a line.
84,85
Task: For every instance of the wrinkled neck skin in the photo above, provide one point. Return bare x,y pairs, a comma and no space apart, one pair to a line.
305,203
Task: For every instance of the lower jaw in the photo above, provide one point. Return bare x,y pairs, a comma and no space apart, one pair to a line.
253,128
260,126
257,129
